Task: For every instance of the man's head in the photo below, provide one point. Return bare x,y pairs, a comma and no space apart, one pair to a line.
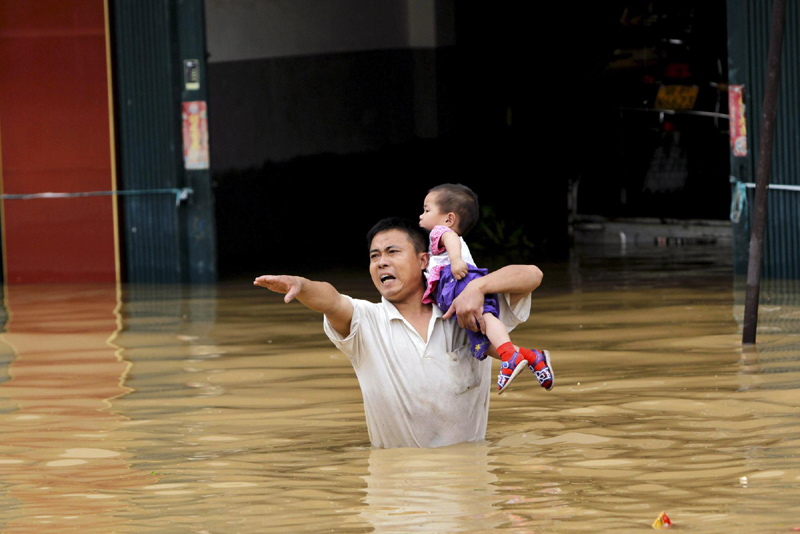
458,199
397,258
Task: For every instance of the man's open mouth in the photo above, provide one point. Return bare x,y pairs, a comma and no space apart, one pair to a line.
386,277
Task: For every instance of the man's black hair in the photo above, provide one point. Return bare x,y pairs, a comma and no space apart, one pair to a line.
417,235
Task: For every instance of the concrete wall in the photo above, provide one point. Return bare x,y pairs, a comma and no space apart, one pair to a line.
309,99
291,78
259,29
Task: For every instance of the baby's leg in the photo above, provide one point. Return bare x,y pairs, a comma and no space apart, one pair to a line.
497,333
513,361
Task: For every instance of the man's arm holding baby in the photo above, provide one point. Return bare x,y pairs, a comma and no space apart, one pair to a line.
515,280
321,297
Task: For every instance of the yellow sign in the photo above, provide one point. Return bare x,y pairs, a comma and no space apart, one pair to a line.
676,96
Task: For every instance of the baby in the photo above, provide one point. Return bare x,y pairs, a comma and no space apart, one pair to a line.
450,211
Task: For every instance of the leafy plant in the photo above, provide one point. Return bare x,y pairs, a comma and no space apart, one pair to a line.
500,240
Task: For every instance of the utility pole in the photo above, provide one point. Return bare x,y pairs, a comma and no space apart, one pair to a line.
768,114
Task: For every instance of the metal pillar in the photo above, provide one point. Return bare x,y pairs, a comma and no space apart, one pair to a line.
777,26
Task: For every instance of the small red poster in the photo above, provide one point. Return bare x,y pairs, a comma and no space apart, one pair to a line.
738,127
195,136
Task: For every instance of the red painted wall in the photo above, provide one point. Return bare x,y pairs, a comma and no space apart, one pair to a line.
55,137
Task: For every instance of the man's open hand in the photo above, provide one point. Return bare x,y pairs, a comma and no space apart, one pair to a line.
289,285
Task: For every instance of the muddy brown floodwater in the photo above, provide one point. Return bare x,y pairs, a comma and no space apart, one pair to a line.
219,409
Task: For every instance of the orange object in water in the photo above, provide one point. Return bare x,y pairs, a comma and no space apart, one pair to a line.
662,521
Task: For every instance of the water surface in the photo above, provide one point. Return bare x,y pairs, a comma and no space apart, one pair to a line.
220,409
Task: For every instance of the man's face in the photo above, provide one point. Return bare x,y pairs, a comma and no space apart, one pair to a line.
395,267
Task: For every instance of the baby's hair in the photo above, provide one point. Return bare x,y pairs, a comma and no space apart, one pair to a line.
462,201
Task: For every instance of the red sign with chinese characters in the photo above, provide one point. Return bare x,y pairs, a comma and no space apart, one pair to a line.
195,135
738,127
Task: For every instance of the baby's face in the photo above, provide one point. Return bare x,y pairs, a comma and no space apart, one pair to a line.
431,216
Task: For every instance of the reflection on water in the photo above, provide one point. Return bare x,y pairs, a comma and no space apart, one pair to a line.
220,409
63,455
451,489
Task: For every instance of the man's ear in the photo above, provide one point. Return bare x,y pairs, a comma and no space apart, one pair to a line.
424,257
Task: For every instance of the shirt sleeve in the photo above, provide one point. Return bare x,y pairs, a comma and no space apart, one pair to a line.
348,344
437,247
513,316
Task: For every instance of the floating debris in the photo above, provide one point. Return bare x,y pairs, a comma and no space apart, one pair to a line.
662,521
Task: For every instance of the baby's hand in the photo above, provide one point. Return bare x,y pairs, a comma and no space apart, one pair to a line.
459,268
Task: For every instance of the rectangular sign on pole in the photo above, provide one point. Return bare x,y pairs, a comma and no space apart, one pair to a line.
195,135
738,127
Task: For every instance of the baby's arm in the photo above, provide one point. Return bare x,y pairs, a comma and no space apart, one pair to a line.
452,243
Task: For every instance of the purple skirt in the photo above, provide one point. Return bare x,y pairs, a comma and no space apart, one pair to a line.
448,288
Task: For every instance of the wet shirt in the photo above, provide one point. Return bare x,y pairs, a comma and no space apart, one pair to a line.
419,394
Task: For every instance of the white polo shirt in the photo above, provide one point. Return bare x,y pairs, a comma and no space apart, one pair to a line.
419,394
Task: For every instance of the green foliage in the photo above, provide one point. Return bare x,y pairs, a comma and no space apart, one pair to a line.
498,240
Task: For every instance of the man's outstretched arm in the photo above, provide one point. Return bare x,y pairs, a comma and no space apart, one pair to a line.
321,297
515,280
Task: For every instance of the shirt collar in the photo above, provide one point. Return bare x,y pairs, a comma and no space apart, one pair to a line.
394,314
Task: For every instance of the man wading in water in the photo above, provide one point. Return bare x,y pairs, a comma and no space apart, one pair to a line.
420,384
